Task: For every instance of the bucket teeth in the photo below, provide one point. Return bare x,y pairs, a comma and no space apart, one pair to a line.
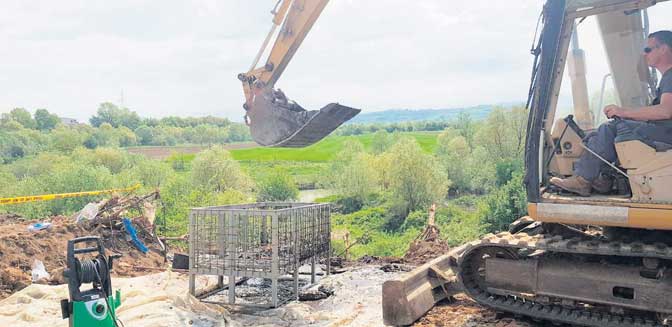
278,123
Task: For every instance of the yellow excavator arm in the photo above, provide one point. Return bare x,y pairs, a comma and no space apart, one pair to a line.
274,120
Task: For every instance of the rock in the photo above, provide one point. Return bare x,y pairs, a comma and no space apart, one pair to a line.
57,276
395,267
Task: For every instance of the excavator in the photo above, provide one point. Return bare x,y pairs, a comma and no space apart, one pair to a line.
603,260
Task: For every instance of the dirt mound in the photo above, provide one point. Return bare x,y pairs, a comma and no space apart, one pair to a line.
463,312
421,252
19,248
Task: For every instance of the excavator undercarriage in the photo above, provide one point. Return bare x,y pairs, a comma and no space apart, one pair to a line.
584,281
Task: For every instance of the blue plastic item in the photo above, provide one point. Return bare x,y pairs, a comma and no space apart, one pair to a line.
134,236
39,226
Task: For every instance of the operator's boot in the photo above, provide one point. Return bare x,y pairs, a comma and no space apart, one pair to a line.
575,184
602,185
275,121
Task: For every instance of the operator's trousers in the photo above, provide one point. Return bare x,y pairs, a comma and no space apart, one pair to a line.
602,142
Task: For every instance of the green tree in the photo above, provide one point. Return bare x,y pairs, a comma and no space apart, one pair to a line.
126,137
454,153
216,170
46,121
465,127
106,135
66,140
503,134
505,205
23,117
115,116
417,178
9,124
381,141
145,135
277,186
238,133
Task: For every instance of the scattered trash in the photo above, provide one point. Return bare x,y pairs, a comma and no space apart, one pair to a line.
395,267
39,272
134,236
316,292
39,226
48,241
180,261
149,212
89,212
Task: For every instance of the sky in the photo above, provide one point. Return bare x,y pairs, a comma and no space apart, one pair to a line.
162,58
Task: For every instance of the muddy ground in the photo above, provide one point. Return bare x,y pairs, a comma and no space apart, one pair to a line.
462,312
19,247
358,303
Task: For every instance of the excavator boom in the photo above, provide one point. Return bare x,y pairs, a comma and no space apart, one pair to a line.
274,120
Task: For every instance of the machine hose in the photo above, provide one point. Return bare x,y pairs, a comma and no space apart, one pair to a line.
90,270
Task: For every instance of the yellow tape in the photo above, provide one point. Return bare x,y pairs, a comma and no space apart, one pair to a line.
48,197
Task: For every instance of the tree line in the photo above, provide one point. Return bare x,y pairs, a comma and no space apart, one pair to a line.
24,134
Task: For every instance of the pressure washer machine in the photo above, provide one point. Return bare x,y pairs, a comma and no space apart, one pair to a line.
95,307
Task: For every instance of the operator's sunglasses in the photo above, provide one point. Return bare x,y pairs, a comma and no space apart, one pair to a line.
649,49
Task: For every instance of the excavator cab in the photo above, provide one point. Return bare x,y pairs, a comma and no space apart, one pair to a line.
274,120
563,113
599,260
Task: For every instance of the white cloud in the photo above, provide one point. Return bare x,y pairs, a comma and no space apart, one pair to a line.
181,58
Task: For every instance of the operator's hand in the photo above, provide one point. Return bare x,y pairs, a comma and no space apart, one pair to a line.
613,110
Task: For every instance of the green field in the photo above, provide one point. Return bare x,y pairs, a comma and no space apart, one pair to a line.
324,150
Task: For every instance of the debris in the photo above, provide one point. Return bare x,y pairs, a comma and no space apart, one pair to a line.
89,212
39,273
395,267
421,252
316,292
428,244
336,261
368,259
19,247
431,232
38,226
149,212
180,261
372,259
134,237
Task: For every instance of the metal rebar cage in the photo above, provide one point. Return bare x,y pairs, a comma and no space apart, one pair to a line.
265,240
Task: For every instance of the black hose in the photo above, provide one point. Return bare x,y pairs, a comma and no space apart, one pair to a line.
88,271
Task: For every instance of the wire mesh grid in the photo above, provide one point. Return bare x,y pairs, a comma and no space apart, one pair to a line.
257,240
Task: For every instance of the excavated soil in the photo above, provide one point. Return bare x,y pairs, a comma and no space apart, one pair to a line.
20,247
463,312
421,252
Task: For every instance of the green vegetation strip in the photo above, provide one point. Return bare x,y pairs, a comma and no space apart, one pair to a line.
324,150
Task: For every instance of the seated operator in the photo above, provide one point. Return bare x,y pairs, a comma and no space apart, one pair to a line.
649,124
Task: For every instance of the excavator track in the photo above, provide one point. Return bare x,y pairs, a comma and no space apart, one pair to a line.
555,313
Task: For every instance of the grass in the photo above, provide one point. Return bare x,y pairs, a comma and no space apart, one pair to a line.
324,150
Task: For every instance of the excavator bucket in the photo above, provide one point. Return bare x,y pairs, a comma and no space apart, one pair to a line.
276,122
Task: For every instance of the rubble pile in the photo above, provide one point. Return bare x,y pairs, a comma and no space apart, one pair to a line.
26,244
421,251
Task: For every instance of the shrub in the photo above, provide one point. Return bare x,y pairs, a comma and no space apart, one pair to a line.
277,186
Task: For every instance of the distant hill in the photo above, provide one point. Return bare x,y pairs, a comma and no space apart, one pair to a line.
402,115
